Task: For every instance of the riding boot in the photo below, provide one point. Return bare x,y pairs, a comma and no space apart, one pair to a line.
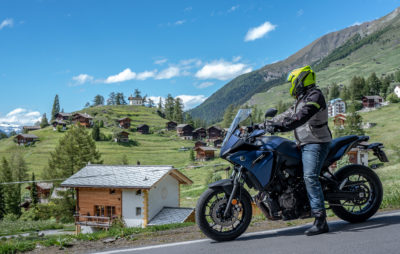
320,225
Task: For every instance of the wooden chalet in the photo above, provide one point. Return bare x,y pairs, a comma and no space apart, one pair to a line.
199,133
63,116
83,119
171,125
339,120
124,123
143,128
43,191
372,101
214,132
185,131
122,136
218,143
204,153
30,128
26,139
200,143
61,123
139,195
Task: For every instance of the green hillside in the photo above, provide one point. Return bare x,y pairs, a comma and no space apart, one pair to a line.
155,148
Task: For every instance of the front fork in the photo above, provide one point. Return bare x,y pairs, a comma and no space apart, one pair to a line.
236,185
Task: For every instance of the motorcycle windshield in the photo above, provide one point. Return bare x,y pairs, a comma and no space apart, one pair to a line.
241,116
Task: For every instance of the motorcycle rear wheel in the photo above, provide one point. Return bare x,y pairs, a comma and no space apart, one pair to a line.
365,181
209,209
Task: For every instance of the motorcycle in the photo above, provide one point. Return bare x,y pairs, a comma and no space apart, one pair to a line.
272,166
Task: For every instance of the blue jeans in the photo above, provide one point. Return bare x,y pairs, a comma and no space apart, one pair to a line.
313,156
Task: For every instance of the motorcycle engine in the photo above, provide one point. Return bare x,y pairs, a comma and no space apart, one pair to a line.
294,202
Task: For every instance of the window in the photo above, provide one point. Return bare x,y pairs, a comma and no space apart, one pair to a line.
138,211
99,210
110,211
139,192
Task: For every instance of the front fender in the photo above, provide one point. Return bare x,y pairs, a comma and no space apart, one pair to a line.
224,184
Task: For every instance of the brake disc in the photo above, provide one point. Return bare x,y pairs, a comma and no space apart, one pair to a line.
217,213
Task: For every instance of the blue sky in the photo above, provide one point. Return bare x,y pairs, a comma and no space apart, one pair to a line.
78,49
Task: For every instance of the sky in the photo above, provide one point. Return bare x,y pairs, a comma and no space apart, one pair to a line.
189,49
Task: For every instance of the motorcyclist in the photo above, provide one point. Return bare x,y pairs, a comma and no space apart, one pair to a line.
308,117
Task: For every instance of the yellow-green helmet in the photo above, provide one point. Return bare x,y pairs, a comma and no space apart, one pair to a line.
300,78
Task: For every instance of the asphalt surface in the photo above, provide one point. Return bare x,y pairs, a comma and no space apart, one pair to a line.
380,234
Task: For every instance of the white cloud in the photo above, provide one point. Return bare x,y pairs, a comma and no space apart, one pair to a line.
125,75
82,79
233,8
300,12
145,75
222,70
161,61
191,101
259,31
180,22
205,84
6,22
168,73
21,116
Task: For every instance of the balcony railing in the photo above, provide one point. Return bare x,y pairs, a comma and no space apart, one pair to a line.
94,221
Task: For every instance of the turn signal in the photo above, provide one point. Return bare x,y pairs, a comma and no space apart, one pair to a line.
234,202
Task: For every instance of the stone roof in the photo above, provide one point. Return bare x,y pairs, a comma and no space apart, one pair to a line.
182,125
169,215
28,136
373,97
205,148
122,176
64,114
85,115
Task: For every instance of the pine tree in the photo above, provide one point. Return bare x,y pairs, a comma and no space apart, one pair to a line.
374,84
345,93
178,110
98,100
33,191
397,76
74,150
96,132
150,102
353,121
12,193
125,160
2,199
111,99
169,107
357,87
189,119
160,105
385,86
19,168
137,93
101,124
56,107
44,122
334,91
228,116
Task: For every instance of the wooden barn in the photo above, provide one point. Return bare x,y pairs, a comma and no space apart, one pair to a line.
61,123
339,120
143,128
83,119
204,153
199,133
200,143
43,191
122,136
26,139
139,195
185,131
124,123
171,125
214,132
218,143
63,116
372,101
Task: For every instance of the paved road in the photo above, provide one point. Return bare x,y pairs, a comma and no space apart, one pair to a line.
380,234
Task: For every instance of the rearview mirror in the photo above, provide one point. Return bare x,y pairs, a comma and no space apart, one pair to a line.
271,112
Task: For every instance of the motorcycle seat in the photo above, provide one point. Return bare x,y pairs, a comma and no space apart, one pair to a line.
338,146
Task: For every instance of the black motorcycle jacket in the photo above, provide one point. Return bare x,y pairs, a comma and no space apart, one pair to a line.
308,117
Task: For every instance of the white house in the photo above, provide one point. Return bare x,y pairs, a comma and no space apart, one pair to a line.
336,106
397,91
136,101
139,195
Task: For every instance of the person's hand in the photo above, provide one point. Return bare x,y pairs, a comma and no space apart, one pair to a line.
270,128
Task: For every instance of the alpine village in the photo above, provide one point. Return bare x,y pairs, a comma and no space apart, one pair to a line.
126,167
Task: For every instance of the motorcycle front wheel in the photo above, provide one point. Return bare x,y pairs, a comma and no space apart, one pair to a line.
363,180
211,221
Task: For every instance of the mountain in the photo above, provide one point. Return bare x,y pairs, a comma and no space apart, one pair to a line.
8,128
321,53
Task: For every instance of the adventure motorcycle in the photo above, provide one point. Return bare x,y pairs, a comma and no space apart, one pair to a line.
272,165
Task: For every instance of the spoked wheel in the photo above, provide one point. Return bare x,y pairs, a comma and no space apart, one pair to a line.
364,181
210,215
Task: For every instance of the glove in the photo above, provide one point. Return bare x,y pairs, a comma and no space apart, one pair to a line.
270,128
273,127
